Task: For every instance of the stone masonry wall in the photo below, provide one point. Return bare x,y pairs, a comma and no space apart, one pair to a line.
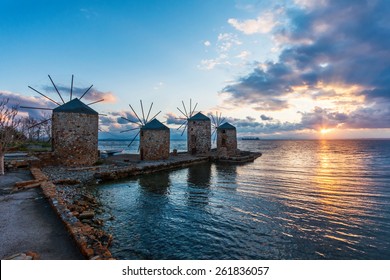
226,142
154,144
199,137
75,138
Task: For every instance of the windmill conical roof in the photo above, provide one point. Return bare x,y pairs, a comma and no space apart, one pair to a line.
154,125
75,106
226,125
199,117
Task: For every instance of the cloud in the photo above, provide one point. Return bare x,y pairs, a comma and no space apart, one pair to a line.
265,118
226,43
322,118
336,45
375,117
207,43
88,13
249,118
250,126
159,86
92,95
113,123
243,54
310,4
262,24
126,114
16,99
95,95
117,121
209,64
264,90
173,119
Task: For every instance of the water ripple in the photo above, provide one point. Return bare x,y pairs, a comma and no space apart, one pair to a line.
300,200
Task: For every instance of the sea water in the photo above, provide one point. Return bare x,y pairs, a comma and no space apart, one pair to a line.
325,199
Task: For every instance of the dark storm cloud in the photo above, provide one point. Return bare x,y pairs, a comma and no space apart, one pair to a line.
344,42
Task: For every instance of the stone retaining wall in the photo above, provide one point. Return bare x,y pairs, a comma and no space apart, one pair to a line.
93,242
121,173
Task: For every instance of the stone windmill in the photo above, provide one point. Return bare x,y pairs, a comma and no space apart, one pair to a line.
74,129
154,137
217,120
198,131
226,140
226,136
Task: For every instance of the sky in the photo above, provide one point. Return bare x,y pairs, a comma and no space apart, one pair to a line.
288,69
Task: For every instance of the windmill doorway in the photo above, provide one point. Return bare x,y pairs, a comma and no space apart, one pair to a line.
193,144
223,144
142,154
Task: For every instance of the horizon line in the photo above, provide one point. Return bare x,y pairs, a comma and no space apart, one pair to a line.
264,139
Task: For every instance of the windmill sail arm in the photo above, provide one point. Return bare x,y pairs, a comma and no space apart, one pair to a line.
35,108
56,89
184,123
155,116
45,96
133,139
136,115
85,92
182,112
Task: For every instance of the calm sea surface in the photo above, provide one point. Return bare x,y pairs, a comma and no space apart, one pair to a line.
300,200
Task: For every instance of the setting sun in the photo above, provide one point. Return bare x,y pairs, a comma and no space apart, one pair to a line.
325,130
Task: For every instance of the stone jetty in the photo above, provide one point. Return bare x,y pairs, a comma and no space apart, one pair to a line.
62,186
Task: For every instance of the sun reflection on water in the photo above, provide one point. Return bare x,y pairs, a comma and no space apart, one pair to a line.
340,199
300,200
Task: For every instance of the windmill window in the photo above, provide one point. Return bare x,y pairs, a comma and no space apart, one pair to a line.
142,133
223,131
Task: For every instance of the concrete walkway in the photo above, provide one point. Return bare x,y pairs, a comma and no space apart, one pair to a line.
28,223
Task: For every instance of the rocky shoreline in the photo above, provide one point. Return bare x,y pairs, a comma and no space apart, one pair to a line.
77,211
64,188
